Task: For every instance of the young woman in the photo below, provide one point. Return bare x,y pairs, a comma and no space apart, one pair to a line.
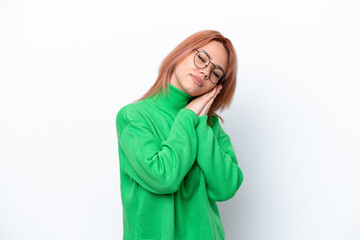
176,160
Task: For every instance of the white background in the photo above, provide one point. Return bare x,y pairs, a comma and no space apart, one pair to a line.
67,67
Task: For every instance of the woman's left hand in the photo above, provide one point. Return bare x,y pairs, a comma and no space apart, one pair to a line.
205,110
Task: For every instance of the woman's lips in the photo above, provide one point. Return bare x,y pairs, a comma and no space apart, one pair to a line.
197,80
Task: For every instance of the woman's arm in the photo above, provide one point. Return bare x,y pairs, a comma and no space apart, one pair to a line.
216,157
159,167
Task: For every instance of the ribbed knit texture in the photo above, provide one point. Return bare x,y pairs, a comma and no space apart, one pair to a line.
173,169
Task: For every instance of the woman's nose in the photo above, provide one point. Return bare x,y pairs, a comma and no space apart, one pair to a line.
206,71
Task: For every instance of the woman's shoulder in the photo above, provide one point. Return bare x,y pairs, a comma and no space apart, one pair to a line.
131,111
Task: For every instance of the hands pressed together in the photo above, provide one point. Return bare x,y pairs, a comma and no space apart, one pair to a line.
202,104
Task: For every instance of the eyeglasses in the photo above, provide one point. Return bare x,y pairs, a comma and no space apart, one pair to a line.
202,60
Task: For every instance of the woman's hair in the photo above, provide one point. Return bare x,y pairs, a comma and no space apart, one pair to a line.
198,40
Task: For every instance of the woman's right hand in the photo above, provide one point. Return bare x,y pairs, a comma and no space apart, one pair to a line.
200,102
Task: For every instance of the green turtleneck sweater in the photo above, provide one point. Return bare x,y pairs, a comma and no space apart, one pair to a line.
173,169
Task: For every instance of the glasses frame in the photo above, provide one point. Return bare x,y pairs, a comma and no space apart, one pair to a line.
222,80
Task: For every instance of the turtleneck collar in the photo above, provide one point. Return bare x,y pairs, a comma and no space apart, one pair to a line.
175,99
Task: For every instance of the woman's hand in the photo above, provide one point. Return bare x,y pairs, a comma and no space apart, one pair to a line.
205,110
202,104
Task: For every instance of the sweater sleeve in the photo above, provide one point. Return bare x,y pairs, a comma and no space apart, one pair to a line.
216,158
159,167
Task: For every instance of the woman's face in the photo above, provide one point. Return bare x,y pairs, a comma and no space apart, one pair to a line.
185,71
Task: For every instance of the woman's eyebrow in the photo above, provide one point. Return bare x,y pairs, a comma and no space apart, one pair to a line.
219,67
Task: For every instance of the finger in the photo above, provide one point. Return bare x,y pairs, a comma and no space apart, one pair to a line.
210,94
217,92
213,92
206,108
205,95
209,103
203,112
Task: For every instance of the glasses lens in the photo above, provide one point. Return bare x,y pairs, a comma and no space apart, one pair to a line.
216,75
201,60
